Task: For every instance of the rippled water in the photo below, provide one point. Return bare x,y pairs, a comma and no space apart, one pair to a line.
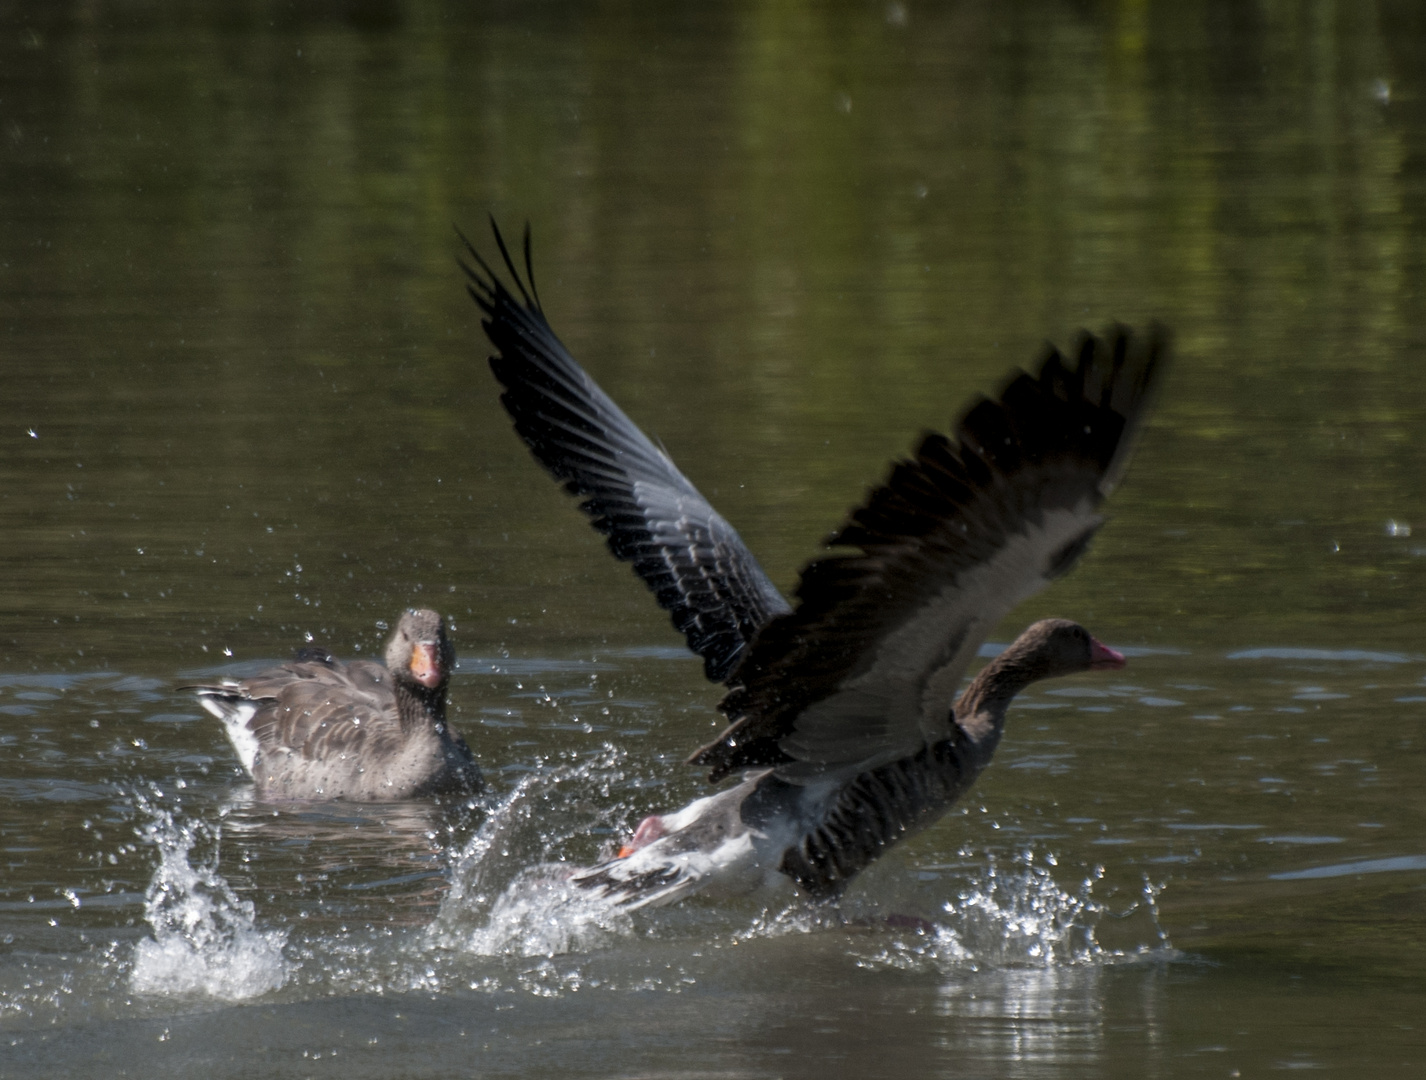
1139,849
245,402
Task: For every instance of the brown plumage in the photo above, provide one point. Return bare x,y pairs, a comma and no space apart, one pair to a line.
318,728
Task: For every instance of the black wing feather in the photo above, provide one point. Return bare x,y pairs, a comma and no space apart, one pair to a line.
1045,453
655,519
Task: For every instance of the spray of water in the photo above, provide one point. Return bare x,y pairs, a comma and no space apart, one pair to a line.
495,908
205,938
512,895
541,913
1018,916
1021,916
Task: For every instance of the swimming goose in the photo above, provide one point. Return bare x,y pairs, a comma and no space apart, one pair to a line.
317,728
844,716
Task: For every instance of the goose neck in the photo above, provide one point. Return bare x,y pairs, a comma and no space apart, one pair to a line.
989,694
420,706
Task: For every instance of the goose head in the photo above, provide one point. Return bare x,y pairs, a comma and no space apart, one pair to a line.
419,652
1054,647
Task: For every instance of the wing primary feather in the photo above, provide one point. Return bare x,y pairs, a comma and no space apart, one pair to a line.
652,516
530,266
510,265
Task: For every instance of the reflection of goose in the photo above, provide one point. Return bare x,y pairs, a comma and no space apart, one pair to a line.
338,857
317,728
846,706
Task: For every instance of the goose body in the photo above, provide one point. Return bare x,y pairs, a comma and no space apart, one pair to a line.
769,831
845,719
318,728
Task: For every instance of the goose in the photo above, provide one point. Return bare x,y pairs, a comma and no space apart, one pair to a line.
845,724
318,728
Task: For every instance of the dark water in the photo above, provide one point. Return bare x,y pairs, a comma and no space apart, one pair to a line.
245,400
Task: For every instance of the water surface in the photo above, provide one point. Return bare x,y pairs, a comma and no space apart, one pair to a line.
246,402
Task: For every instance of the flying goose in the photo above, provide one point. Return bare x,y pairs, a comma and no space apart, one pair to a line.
844,715
318,728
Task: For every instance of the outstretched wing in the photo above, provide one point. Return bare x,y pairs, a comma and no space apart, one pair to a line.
865,671
686,553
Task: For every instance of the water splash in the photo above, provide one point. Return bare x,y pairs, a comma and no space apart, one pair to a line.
1023,917
1020,917
205,938
503,902
542,913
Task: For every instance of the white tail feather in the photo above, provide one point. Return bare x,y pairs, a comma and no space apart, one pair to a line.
235,712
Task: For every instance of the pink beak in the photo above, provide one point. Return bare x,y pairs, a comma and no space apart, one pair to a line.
1103,658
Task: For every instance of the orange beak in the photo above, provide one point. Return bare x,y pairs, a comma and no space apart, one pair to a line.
425,663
